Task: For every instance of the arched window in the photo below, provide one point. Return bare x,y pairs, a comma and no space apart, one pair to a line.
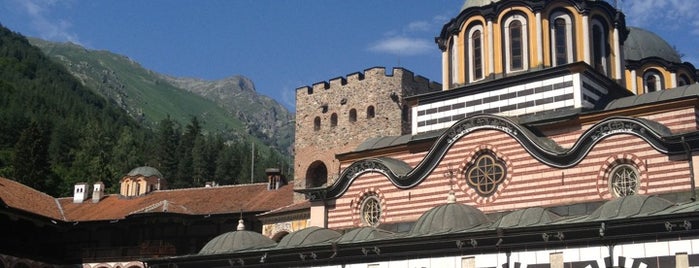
370,113
475,53
516,54
682,80
453,61
316,175
561,39
353,115
652,81
316,123
333,120
600,47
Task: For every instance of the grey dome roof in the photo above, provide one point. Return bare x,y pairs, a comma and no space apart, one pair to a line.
451,217
642,44
630,206
527,217
236,241
308,236
145,172
476,3
363,234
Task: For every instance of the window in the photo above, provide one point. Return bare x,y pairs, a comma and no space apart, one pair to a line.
624,180
652,81
516,43
353,115
333,120
316,123
370,112
600,47
682,80
561,39
475,53
486,173
316,175
371,210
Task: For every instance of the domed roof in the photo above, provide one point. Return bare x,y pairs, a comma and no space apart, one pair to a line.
630,206
236,241
308,236
363,234
527,217
476,3
145,172
451,217
641,44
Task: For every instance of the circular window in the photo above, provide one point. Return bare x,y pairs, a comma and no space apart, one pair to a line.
624,180
486,174
371,210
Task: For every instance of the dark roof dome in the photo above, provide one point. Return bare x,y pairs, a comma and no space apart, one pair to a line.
476,3
145,172
630,206
527,217
363,234
236,241
451,217
308,236
642,44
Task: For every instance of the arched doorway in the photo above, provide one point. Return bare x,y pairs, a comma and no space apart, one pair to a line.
316,175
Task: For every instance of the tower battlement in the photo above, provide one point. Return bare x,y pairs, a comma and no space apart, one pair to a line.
370,74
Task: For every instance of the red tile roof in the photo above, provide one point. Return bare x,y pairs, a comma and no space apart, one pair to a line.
193,201
22,197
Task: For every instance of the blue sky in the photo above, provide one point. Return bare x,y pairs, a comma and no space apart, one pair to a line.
285,44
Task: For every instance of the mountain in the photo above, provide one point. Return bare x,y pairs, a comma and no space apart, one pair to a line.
228,106
264,117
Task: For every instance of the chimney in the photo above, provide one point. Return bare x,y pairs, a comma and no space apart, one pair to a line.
97,191
275,179
80,193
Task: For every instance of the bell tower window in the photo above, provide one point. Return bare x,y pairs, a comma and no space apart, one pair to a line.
516,50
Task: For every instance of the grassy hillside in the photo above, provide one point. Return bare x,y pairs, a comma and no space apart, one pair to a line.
140,92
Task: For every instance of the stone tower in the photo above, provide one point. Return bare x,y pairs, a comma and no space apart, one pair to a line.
336,116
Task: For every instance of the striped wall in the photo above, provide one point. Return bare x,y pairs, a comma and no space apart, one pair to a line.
528,182
545,95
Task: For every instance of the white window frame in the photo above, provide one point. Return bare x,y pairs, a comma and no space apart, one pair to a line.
471,66
603,45
658,80
453,61
569,36
525,43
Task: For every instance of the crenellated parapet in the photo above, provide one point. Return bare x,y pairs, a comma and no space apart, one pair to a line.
374,73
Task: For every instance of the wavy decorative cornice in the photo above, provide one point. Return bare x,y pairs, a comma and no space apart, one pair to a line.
543,149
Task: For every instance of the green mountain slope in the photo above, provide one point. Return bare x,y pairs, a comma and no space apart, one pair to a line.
232,109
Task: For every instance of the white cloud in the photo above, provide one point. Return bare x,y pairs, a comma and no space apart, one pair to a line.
401,45
419,26
670,14
39,13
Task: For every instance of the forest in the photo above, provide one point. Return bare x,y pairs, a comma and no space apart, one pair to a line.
55,132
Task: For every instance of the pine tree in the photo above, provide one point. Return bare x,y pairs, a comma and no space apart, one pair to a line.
31,159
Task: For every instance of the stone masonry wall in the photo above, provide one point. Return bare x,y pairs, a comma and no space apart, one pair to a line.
358,91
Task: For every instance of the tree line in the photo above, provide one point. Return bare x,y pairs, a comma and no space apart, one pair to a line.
54,132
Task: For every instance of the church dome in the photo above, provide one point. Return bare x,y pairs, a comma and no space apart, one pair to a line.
451,217
308,236
630,206
236,241
642,44
476,3
145,172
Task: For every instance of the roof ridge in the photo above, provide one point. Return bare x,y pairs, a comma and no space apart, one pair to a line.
221,186
60,209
